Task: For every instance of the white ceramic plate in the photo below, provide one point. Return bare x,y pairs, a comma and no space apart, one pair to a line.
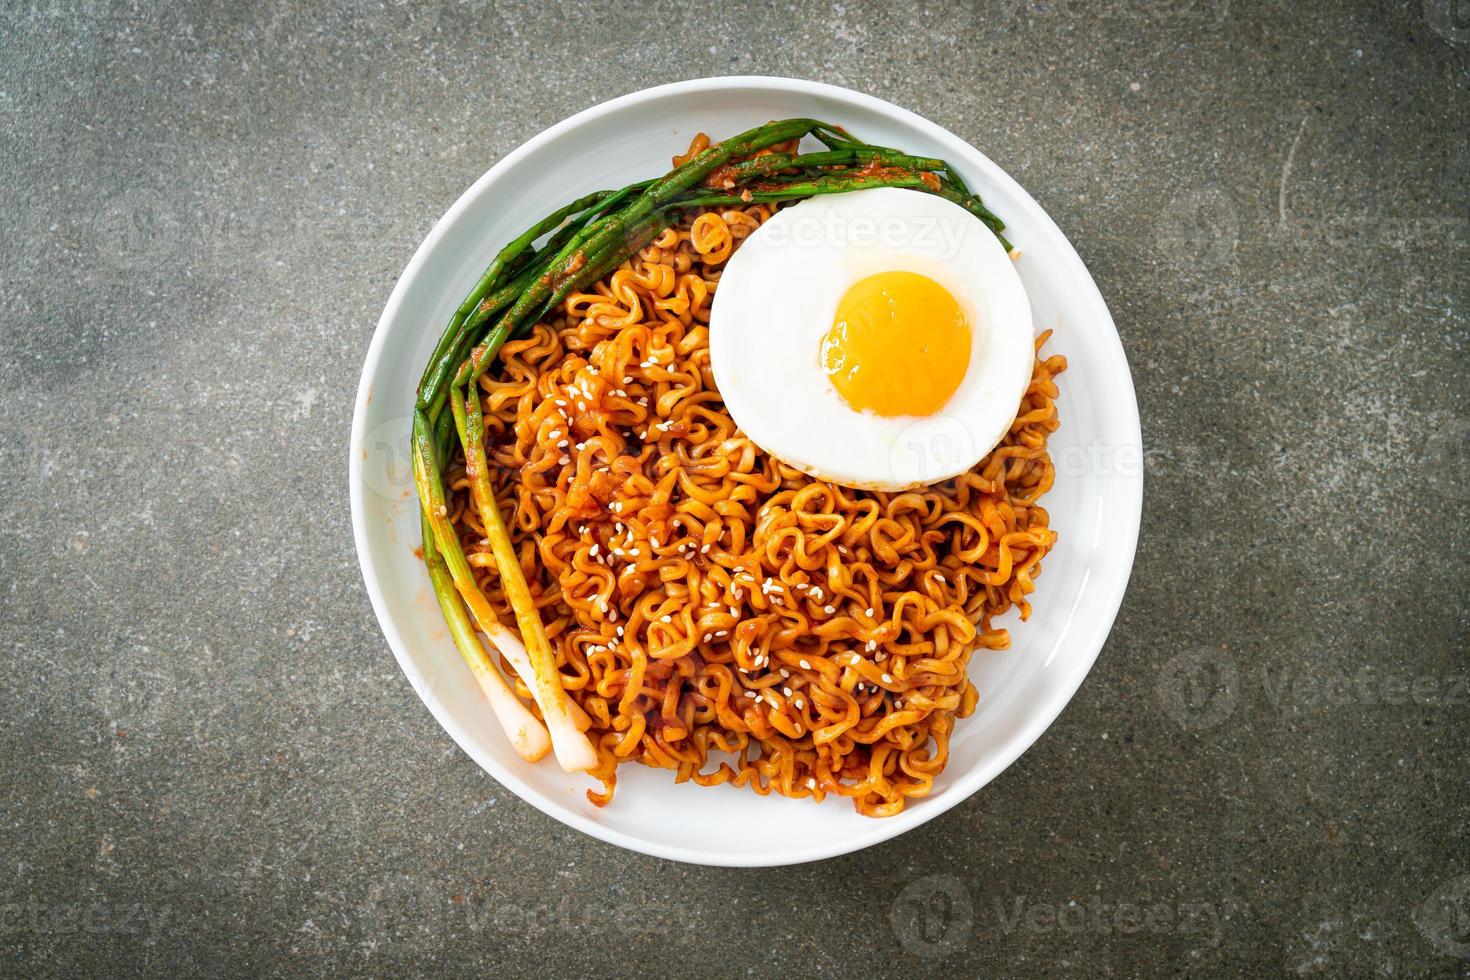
1095,504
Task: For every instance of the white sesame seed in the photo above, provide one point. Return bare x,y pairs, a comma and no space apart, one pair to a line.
666,619
887,678
786,691
592,551
806,665
870,611
829,610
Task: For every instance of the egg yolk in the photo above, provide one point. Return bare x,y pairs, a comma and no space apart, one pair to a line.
899,345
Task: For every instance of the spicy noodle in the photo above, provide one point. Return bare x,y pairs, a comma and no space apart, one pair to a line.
712,610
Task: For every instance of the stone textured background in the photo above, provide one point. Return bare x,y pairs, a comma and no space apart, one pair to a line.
211,761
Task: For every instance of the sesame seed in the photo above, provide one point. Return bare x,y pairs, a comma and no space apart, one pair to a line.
829,610
786,691
870,611
806,665
592,551
887,678
666,619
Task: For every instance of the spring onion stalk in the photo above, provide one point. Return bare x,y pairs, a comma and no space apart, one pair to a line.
574,750
527,735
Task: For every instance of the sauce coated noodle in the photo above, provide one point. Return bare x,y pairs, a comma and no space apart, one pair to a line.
712,610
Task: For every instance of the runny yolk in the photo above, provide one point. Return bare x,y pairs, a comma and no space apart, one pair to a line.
899,345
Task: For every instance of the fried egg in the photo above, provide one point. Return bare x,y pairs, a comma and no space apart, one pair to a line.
879,339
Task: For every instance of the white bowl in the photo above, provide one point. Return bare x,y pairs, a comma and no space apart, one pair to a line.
1095,504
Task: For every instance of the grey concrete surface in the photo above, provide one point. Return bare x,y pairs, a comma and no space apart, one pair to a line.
211,763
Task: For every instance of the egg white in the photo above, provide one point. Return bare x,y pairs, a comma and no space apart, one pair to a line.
777,298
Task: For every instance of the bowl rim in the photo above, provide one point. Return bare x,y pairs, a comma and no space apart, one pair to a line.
884,829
